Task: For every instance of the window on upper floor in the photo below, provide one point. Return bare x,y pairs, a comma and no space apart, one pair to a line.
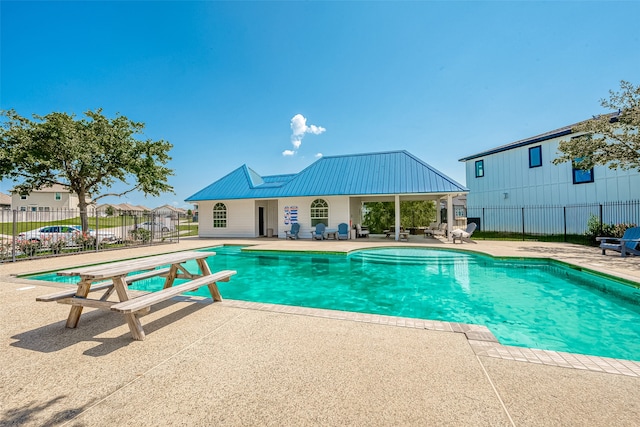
479,168
319,212
219,216
58,196
23,197
581,176
535,156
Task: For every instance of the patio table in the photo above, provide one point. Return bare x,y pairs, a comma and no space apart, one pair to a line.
331,232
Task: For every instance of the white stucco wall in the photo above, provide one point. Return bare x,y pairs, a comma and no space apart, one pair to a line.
338,212
241,219
509,172
242,216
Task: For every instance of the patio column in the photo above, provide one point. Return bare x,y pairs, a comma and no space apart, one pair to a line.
397,206
449,216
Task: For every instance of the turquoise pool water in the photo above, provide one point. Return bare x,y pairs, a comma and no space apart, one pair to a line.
528,303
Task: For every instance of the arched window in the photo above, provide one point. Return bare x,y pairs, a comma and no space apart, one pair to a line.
219,216
319,212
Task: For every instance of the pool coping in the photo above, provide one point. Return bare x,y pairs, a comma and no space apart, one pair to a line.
480,338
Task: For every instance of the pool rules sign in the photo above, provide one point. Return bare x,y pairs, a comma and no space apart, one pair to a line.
290,215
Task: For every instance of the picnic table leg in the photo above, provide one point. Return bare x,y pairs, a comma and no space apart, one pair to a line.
171,276
213,288
76,310
132,320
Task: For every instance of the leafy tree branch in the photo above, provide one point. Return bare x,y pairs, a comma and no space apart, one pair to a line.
609,139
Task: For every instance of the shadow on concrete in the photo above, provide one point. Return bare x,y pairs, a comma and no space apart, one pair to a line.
30,414
55,337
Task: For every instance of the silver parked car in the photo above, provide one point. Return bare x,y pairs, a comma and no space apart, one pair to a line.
155,226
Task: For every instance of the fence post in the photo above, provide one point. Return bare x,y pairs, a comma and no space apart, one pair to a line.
97,231
600,233
15,235
523,223
564,210
484,224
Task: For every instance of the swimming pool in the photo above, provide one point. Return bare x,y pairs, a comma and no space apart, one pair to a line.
528,303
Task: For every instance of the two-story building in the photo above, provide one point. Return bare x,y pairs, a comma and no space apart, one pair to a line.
521,174
47,199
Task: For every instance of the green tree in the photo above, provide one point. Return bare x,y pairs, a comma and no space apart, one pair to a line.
381,215
86,155
609,139
110,211
417,213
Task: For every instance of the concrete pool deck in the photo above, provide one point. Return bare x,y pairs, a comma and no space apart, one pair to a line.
235,363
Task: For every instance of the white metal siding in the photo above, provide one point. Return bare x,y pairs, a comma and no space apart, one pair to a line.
509,172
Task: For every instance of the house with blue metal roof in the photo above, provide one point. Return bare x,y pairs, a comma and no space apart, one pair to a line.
331,190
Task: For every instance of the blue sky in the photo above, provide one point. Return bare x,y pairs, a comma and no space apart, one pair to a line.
229,83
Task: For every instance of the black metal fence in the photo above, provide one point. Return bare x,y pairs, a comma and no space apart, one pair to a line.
31,234
553,220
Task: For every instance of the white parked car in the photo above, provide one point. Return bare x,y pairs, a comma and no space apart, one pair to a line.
51,233
68,233
155,226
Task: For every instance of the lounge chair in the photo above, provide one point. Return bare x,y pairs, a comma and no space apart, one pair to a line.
436,230
464,234
343,231
319,233
392,230
361,232
627,245
293,233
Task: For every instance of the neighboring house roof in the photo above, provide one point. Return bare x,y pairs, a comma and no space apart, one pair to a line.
105,206
5,200
122,207
566,130
128,207
386,173
169,208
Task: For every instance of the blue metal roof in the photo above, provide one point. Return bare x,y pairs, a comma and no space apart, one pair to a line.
387,173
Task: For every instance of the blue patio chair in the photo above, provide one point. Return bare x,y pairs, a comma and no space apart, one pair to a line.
293,233
628,245
343,231
319,233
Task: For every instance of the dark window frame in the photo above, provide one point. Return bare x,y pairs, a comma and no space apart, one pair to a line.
479,170
537,148
575,171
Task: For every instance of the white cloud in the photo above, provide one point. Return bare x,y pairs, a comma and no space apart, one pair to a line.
318,155
288,153
299,128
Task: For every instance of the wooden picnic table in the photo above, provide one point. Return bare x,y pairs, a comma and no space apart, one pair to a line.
115,276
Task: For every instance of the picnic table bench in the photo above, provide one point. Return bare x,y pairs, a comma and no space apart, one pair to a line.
115,277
